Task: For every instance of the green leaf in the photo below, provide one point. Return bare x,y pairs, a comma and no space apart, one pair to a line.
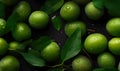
112,6
33,60
2,10
105,69
11,22
51,6
41,43
99,4
57,22
72,46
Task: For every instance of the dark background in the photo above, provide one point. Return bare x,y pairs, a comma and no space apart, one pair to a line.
59,36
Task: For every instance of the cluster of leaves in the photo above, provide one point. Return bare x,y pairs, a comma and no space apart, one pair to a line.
73,44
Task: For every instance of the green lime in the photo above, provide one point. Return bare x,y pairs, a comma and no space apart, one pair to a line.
92,12
113,27
106,60
2,26
95,43
113,45
14,45
71,27
38,19
9,63
81,63
23,9
21,32
3,46
70,11
51,52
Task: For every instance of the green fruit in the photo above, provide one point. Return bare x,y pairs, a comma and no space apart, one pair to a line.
2,26
113,27
51,52
92,12
14,45
106,60
71,27
70,11
21,32
9,63
3,46
38,19
23,9
114,45
81,63
95,43
82,2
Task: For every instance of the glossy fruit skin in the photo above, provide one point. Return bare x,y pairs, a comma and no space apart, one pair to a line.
114,45
14,45
95,43
38,19
2,26
113,27
21,32
9,63
92,12
23,9
106,60
82,2
51,52
71,27
70,11
3,46
81,63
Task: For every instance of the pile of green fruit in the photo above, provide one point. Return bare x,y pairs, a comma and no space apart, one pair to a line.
26,32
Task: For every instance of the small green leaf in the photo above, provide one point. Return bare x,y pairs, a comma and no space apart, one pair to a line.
112,6
72,46
2,10
11,22
105,69
40,43
51,6
99,4
57,22
33,60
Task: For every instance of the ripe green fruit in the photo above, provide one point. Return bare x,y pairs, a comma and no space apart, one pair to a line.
114,45
51,52
71,27
21,32
23,9
70,11
2,26
14,45
38,19
9,63
92,12
106,60
113,27
95,43
3,46
81,63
